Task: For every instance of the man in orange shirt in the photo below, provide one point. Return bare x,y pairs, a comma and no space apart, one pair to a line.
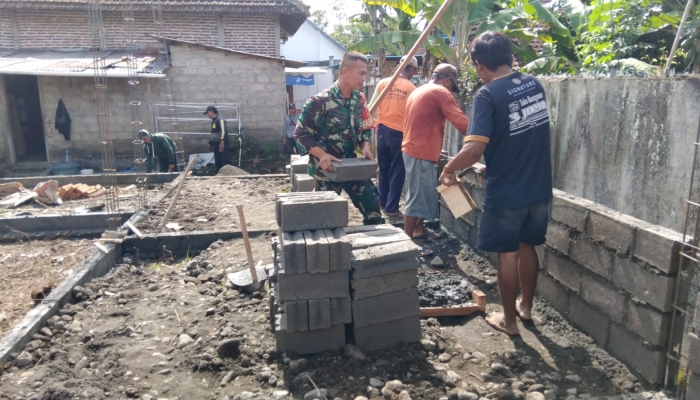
391,112
424,130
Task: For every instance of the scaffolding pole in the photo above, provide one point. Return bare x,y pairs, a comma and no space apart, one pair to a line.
98,49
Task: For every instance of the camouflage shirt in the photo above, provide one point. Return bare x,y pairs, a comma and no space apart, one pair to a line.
332,123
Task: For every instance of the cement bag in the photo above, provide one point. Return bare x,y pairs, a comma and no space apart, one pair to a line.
47,192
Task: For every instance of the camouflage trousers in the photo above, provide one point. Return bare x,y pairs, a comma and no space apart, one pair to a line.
364,196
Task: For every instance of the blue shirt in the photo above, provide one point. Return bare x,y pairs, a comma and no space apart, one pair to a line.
510,115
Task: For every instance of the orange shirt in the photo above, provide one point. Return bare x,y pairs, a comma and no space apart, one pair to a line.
392,109
424,129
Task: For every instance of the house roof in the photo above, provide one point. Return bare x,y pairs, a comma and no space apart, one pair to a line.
77,63
293,13
287,63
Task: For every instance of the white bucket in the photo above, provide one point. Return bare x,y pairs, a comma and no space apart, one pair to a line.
86,172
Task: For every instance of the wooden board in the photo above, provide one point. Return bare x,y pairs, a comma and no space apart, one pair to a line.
478,305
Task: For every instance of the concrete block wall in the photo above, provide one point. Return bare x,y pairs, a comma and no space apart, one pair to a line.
692,345
610,274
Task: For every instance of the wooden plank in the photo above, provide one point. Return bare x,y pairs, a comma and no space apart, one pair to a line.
368,228
467,309
479,298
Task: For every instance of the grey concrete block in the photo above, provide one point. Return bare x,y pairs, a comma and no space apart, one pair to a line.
340,249
447,220
376,286
303,183
283,198
569,210
592,256
693,352
319,314
592,321
647,361
309,342
293,248
386,268
384,234
352,169
297,315
659,247
648,286
313,286
317,255
607,298
461,230
384,253
300,165
615,230
558,238
648,323
388,334
341,310
553,292
313,212
385,308
564,270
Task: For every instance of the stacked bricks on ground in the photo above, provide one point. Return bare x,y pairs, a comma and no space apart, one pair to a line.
312,287
610,274
347,170
385,301
299,176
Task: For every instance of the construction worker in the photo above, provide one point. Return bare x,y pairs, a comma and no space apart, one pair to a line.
290,125
391,112
219,141
162,147
510,128
332,125
424,130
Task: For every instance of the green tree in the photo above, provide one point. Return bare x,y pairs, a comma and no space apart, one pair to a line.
351,32
320,18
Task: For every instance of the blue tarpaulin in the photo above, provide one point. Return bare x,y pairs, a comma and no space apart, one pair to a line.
300,80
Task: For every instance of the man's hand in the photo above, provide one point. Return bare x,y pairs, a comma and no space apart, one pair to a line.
221,147
448,178
171,167
367,151
325,162
209,148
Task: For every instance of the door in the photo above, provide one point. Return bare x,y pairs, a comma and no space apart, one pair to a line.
26,119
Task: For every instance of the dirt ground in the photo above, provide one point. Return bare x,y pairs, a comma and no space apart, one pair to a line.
29,265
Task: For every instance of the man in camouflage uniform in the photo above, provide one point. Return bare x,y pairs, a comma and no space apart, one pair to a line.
330,128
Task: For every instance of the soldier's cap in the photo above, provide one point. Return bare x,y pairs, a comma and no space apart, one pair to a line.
413,62
211,108
449,71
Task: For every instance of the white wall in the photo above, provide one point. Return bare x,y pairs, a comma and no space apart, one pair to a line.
308,44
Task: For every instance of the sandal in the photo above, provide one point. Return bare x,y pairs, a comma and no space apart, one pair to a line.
424,252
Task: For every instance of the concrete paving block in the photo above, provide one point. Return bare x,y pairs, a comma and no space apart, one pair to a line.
558,238
340,249
648,323
313,286
648,286
362,240
303,214
376,286
319,314
592,256
385,308
605,297
693,352
317,255
592,321
648,361
553,292
352,169
293,248
388,334
659,247
299,197
300,165
614,229
303,183
341,310
564,270
297,315
308,342
569,210
384,253
390,267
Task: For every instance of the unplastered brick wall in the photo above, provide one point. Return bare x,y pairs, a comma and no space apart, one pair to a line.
64,30
610,274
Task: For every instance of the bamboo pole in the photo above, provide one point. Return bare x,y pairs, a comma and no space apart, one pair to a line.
414,49
246,241
679,34
177,193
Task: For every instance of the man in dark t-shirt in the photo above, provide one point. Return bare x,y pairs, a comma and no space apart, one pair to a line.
219,140
510,128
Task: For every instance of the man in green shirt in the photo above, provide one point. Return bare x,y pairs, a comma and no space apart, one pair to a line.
161,146
331,127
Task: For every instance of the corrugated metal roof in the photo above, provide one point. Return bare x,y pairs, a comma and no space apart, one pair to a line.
39,62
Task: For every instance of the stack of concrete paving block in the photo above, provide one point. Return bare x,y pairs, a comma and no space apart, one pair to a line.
385,301
311,283
299,176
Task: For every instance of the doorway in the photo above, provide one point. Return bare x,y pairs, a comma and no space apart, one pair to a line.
26,119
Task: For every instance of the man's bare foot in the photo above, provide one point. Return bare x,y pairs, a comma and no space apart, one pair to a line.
524,313
498,322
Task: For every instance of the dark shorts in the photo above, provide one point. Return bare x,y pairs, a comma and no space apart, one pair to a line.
502,231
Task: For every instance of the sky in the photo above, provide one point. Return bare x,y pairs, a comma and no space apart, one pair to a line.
352,7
